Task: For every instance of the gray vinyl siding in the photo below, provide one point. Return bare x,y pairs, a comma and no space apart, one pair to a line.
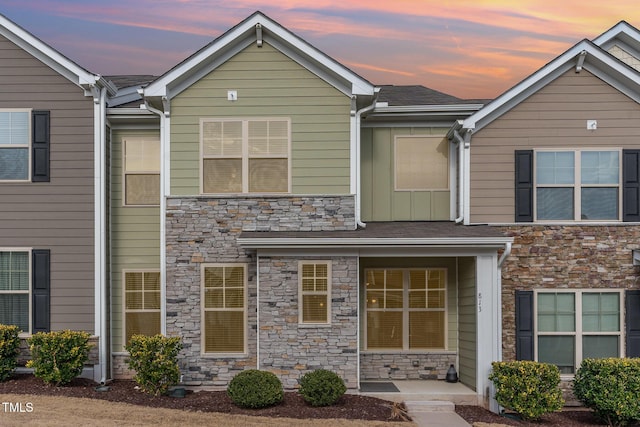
467,321
56,215
555,116
269,84
135,234
380,201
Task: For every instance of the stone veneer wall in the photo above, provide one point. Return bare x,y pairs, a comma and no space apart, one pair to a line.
558,257
290,349
204,230
408,366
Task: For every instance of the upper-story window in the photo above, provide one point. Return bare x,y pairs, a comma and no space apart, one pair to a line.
577,185
421,163
245,155
14,145
141,165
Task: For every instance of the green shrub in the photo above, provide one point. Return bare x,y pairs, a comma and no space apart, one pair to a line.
255,389
155,360
58,357
528,388
321,387
9,350
611,388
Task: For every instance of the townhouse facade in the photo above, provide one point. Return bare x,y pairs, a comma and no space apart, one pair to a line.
278,211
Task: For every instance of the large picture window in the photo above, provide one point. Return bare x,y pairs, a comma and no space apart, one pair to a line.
406,308
315,292
14,145
224,304
575,325
245,155
577,185
141,160
421,163
141,303
15,289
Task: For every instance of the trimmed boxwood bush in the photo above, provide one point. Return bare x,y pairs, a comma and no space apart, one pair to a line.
321,387
255,389
611,388
155,360
531,389
58,357
9,350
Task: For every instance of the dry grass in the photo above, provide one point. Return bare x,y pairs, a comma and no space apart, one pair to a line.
70,411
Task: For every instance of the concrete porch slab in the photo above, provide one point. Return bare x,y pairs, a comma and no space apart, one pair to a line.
429,390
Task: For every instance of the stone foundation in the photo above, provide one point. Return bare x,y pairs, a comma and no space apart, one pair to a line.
119,366
414,366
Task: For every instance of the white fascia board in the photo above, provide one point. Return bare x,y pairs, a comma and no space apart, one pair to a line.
326,242
239,33
622,30
46,53
447,108
542,77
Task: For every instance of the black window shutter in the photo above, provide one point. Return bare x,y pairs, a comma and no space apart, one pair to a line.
524,325
632,317
41,284
631,185
524,185
40,146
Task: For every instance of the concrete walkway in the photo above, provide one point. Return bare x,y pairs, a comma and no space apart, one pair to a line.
434,414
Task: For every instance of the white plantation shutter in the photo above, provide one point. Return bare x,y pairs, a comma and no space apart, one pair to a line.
241,156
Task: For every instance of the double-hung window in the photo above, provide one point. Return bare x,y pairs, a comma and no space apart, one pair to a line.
576,325
15,130
141,160
15,289
315,292
578,185
406,308
224,308
245,155
141,303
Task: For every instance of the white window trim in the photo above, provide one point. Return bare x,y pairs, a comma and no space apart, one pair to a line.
577,185
245,151
125,173
24,334
405,314
124,300
27,146
578,333
244,353
302,293
395,164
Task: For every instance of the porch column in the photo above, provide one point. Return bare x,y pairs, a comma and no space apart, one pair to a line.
489,325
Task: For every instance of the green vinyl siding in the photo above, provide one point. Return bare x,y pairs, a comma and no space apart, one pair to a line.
380,201
135,233
268,84
467,321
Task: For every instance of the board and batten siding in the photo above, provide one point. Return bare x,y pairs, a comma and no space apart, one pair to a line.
135,233
268,84
55,215
467,321
380,201
554,117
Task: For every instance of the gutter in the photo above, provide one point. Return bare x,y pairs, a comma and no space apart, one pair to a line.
358,151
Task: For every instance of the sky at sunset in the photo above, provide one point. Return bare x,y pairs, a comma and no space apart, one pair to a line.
470,49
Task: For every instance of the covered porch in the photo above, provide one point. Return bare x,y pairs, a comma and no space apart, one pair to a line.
420,390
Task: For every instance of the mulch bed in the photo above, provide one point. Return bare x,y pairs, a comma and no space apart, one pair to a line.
349,406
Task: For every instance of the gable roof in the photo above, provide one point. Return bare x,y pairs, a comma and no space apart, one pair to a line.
623,34
50,57
584,54
257,28
415,95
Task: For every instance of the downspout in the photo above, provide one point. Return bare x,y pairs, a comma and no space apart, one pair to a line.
460,146
358,150
163,209
258,313
100,289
